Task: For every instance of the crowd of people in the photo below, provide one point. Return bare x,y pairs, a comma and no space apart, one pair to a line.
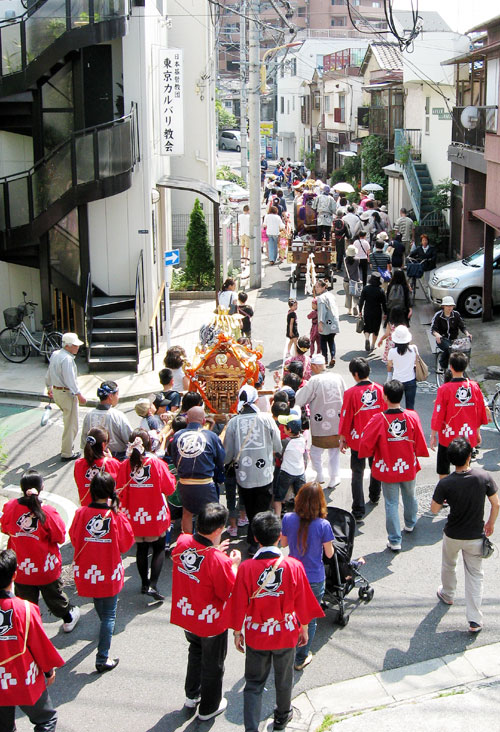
160,486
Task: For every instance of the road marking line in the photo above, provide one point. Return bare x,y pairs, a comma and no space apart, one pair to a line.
67,507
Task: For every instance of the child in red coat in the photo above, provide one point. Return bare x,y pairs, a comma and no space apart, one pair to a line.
96,458
28,659
35,533
100,535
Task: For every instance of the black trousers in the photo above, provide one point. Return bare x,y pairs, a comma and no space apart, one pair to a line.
55,599
358,497
41,714
257,668
327,342
363,267
255,500
324,232
205,670
340,249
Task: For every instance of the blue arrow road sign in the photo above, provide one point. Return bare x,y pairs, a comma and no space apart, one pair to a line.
172,257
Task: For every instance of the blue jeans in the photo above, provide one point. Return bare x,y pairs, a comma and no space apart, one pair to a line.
410,388
272,247
410,506
105,608
318,589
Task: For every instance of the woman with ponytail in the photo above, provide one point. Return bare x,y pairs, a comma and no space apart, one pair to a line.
34,535
144,482
96,458
100,535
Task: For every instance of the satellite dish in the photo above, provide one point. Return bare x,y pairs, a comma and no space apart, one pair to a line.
469,118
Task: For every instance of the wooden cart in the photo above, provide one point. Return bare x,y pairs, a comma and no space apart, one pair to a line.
325,258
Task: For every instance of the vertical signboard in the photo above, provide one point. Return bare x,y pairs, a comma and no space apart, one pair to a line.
171,102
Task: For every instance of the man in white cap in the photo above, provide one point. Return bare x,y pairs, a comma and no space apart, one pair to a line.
445,327
62,386
324,392
251,440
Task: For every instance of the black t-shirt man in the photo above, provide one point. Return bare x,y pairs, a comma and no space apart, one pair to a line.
465,493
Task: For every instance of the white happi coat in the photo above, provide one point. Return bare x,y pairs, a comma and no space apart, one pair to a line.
324,393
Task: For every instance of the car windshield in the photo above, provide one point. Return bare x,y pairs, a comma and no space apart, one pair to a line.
477,259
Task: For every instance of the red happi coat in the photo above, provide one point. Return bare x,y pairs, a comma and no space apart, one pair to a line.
35,543
202,583
22,678
85,472
143,496
395,440
361,402
271,616
459,411
99,537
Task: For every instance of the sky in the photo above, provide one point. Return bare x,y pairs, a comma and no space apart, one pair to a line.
459,14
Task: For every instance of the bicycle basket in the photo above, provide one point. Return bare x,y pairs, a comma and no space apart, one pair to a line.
414,269
13,317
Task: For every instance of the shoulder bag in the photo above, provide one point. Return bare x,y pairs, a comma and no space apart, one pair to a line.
488,548
421,369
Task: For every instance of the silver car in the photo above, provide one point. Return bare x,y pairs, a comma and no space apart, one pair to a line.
463,280
230,140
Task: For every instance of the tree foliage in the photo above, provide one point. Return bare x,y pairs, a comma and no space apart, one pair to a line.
224,172
199,262
225,120
374,159
441,195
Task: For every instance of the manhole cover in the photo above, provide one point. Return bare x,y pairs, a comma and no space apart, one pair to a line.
424,495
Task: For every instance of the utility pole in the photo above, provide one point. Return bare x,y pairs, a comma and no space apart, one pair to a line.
243,92
254,129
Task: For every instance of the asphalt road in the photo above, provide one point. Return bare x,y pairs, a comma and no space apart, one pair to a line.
403,624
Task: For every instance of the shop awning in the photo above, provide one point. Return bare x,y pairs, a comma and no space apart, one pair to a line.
488,217
190,184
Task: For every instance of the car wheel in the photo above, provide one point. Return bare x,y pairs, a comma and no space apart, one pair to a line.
238,148
223,146
470,303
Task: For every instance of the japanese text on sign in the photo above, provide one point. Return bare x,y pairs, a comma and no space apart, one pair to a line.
171,102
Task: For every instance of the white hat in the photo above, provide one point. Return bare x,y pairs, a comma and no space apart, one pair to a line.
318,360
351,251
401,335
383,208
371,196
71,339
383,236
448,300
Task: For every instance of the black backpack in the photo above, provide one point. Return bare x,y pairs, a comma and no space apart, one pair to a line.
396,297
339,228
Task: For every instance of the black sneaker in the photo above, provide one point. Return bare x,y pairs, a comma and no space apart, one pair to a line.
110,664
281,722
153,592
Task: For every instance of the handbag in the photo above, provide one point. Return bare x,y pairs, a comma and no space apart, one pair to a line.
488,548
421,368
385,274
360,325
355,288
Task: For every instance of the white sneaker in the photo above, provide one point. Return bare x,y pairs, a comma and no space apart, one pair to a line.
408,529
222,708
232,531
75,617
192,703
394,547
243,521
305,662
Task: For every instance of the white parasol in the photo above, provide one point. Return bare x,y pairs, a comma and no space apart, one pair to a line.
343,188
372,187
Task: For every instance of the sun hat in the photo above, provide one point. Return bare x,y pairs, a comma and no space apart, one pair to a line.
383,236
351,251
401,335
371,196
447,300
318,360
71,339
383,208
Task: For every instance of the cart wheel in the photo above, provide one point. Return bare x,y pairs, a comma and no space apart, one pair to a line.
369,593
342,620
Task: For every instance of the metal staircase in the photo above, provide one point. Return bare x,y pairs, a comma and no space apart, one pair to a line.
407,152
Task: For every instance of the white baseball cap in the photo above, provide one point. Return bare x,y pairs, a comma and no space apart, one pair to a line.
71,339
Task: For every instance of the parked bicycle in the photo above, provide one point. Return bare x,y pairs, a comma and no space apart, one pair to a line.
495,407
16,341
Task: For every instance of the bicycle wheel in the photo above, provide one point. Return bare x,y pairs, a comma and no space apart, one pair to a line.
14,345
413,285
496,410
51,342
439,375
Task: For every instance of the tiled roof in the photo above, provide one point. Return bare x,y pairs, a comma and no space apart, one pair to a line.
388,56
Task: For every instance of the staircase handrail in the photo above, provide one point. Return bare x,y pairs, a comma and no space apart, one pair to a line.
90,17
71,141
409,171
88,315
140,298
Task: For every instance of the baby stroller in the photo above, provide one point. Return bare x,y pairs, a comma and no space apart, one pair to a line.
341,571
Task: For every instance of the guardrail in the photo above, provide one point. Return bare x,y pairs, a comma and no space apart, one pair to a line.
474,138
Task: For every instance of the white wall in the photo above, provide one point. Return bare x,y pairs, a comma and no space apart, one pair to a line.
13,280
16,153
430,49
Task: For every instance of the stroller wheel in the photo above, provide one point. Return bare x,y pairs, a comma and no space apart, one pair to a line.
342,620
366,593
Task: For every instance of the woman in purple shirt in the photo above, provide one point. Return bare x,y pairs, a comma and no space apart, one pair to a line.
307,533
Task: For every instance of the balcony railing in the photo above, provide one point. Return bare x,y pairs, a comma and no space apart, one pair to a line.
474,138
88,157
25,38
409,140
